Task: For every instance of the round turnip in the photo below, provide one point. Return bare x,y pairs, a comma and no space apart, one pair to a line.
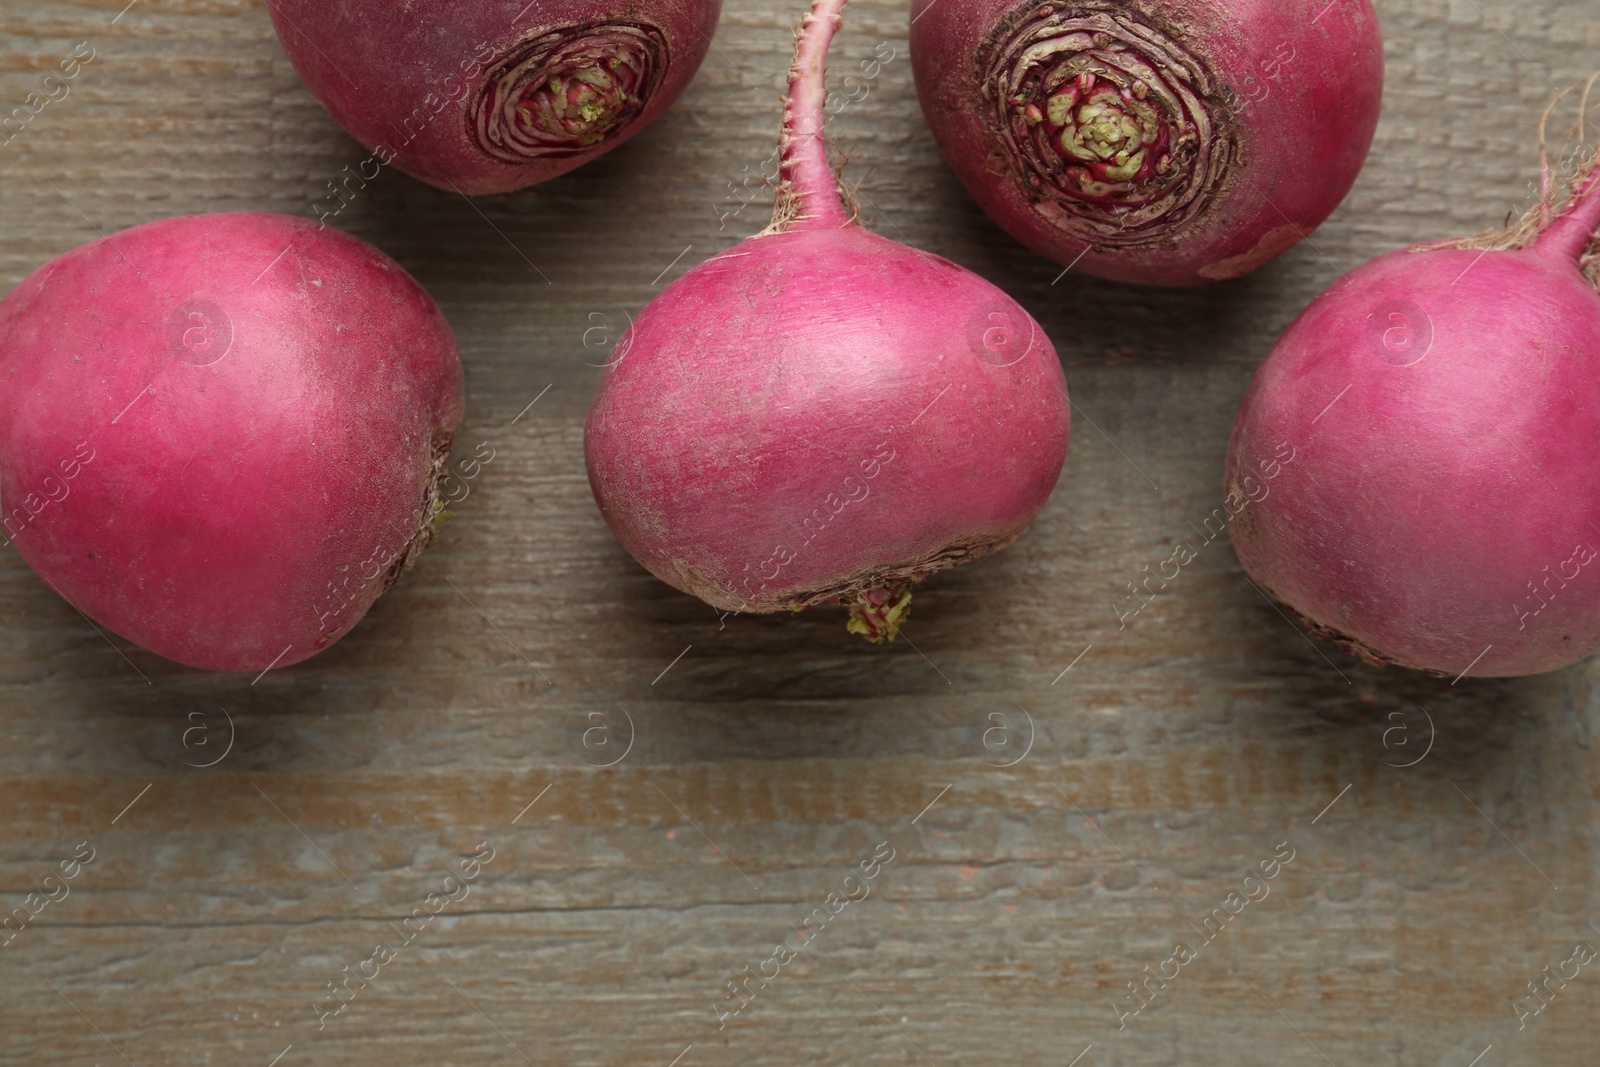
487,96
1152,142
821,414
1440,403
220,435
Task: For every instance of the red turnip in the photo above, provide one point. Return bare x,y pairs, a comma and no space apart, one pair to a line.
1441,403
1148,141
821,414
487,96
220,434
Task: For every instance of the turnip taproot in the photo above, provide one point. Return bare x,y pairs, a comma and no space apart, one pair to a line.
487,96
220,434
1148,141
1443,404
821,414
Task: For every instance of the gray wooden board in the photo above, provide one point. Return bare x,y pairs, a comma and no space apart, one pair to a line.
776,753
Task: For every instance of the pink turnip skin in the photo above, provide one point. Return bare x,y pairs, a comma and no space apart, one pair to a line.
459,93
1442,505
219,434
821,414
1265,110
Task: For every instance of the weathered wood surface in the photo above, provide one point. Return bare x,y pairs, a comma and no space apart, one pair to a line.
1178,750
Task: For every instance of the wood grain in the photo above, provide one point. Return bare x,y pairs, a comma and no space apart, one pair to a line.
775,754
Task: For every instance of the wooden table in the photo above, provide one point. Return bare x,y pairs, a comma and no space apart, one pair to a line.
768,757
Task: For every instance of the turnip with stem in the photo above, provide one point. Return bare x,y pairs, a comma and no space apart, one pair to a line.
1442,511
820,414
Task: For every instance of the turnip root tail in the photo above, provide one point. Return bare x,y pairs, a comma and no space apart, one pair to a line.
1571,234
1566,230
808,195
